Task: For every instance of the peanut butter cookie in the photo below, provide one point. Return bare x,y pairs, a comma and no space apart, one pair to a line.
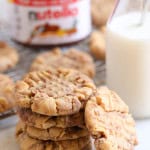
109,122
8,57
101,10
28,143
54,133
72,58
97,44
54,92
6,93
45,122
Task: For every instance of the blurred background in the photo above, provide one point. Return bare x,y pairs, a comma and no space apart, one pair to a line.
4,12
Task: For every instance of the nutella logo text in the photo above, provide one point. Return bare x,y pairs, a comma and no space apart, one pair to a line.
64,12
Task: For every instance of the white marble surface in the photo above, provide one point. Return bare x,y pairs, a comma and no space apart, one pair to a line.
7,139
143,129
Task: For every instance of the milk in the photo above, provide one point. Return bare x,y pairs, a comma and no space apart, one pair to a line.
128,61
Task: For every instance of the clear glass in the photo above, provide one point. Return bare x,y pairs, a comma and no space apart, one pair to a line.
128,54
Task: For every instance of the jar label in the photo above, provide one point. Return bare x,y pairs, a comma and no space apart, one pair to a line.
51,22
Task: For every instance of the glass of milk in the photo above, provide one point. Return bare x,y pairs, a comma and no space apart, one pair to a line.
128,54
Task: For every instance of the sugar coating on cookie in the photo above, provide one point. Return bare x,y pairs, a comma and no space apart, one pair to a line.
6,93
109,122
101,10
54,92
45,122
8,57
71,58
27,143
97,44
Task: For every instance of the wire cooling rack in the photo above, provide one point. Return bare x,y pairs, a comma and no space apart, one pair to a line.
28,54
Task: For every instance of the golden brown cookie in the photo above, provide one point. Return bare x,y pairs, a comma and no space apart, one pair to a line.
54,133
6,93
54,92
87,147
28,143
101,10
97,45
8,57
45,122
103,29
109,122
73,59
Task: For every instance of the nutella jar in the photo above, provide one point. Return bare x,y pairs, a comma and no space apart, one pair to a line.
51,22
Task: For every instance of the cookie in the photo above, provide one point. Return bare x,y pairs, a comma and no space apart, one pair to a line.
28,143
98,45
72,58
8,57
45,122
101,10
103,29
6,93
54,133
109,122
87,147
54,92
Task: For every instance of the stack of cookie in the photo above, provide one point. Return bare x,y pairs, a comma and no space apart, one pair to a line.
51,110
